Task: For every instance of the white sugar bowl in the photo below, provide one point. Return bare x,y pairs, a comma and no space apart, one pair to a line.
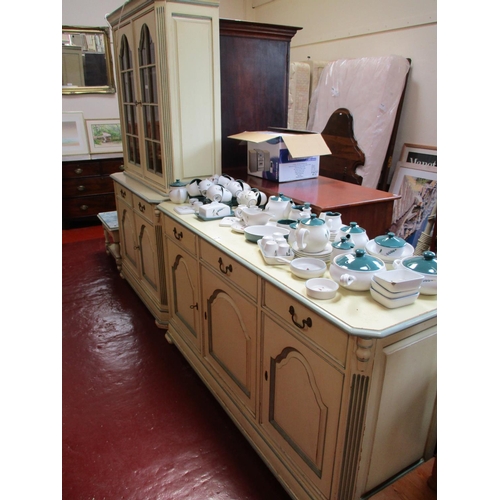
425,265
389,245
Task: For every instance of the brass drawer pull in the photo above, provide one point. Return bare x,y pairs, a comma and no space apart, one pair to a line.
78,170
123,193
227,269
142,207
305,322
84,207
177,235
81,188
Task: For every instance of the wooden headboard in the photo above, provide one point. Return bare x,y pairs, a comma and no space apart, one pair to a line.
346,155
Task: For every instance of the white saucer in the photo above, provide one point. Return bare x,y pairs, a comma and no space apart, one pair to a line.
302,253
238,227
325,255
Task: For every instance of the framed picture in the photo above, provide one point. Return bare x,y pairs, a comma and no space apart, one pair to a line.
104,136
420,155
417,186
74,137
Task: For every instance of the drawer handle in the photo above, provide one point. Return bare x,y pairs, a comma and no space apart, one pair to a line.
81,188
305,322
142,207
227,269
78,170
123,193
84,207
177,235
195,306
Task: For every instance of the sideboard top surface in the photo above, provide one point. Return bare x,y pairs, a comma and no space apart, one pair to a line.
354,312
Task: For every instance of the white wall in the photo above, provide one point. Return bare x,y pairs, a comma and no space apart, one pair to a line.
331,29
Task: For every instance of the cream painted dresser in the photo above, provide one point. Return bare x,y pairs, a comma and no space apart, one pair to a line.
167,61
166,55
336,396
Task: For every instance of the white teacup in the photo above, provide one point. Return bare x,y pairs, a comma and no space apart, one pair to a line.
193,187
236,187
225,179
216,192
204,185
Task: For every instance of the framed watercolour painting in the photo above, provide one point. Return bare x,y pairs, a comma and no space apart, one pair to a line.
420,155
104,136
74,137
417,186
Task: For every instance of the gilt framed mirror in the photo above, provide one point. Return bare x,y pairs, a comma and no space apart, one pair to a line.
86,61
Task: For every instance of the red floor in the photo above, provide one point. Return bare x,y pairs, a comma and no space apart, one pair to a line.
137,423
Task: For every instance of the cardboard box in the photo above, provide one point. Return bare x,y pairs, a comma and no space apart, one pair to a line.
284,155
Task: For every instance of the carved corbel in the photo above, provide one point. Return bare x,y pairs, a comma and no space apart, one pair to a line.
364,352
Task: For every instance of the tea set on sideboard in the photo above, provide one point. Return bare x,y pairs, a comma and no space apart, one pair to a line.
291,234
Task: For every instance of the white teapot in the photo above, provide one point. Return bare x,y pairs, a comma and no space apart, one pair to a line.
358,234
333,220
312,235
178,192
279,205
298,212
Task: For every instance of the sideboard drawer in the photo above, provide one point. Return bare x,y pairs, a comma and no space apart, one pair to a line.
229,268
297,316
143,207
182,236
124,194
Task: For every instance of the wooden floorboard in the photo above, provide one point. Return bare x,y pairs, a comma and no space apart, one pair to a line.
412,486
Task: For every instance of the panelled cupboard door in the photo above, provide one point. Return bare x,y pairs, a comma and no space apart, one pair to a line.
230,338
184,292
128,242
137,56
126,72
148,255
300,406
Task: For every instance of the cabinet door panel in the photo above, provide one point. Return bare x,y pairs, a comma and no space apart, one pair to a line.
300,405
146,239
128,244
192,35
230,338
183,270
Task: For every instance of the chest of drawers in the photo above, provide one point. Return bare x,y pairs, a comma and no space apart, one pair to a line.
87,189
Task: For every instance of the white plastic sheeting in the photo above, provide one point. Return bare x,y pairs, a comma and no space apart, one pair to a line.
370,88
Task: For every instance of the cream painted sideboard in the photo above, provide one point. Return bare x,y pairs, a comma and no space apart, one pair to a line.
336,396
